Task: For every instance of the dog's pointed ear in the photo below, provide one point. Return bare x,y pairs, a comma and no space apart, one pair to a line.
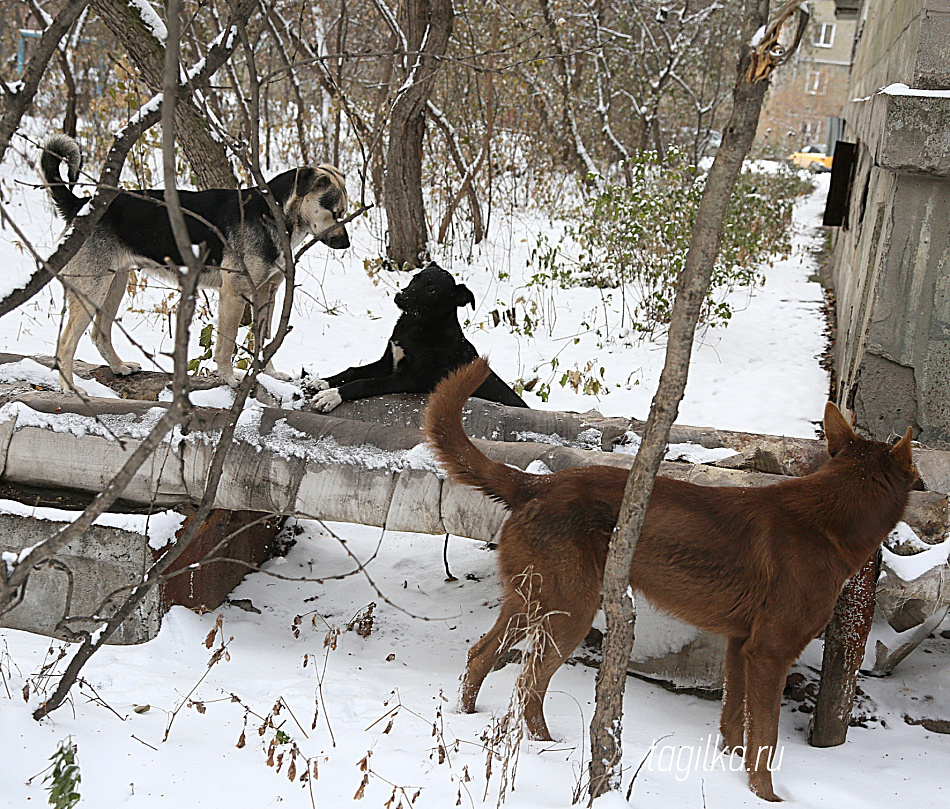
309,179
901,452
837,430
463,295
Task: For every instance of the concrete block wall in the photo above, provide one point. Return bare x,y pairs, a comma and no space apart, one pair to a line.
102,561
892,256
106,560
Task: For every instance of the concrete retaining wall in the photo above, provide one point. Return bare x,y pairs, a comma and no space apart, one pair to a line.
892,256
100,562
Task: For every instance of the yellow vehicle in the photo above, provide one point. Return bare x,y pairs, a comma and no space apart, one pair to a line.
812,158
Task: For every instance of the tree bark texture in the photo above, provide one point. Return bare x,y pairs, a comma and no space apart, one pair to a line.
206,156
605,731
428,28
845,638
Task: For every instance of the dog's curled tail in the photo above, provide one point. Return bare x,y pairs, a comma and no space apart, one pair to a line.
56,150
463,460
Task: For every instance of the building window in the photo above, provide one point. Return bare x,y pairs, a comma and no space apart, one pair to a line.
813,82
825,35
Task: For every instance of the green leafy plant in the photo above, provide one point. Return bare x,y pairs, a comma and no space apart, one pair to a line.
204,340
635,237
63,781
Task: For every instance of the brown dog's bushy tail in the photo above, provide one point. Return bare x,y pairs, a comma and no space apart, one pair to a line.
463,460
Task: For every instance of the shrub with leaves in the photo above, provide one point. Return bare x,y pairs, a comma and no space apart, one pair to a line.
635,237
63,781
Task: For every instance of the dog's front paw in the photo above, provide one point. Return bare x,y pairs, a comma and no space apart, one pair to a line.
126,368
314,385
326,400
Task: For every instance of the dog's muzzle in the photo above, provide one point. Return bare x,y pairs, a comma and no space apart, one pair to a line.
338,239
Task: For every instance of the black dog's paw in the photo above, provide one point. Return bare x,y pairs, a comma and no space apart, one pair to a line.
326,400
311,385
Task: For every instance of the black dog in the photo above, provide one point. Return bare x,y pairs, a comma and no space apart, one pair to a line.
426,345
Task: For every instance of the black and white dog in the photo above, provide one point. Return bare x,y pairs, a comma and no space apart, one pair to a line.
134,233
426,345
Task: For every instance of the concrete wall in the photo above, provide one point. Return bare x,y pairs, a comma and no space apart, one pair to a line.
892,257
902,40
101,562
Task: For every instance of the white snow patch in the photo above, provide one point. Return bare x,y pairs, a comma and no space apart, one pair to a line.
586,439
901,89
288,394
30,372
150,17
289,442
687,451
538,467
221,397
150,106
10,560
910,568
903,536
696,453
127,425
160,528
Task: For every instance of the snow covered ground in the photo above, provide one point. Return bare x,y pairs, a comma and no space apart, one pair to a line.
373,699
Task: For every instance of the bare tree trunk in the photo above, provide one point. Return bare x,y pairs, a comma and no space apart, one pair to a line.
574,151
429,27
605,730
207,156
467,188
302,114
845,638
72,101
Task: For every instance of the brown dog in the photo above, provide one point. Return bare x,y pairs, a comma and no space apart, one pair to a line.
761,566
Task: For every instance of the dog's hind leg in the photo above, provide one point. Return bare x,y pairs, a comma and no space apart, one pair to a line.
230,311
558,634
102,326
508,630
80,316
765,672
731,724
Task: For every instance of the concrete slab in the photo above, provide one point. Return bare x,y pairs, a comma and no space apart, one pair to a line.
99,565
93,574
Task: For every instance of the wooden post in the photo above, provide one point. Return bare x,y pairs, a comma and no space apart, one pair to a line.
845,639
